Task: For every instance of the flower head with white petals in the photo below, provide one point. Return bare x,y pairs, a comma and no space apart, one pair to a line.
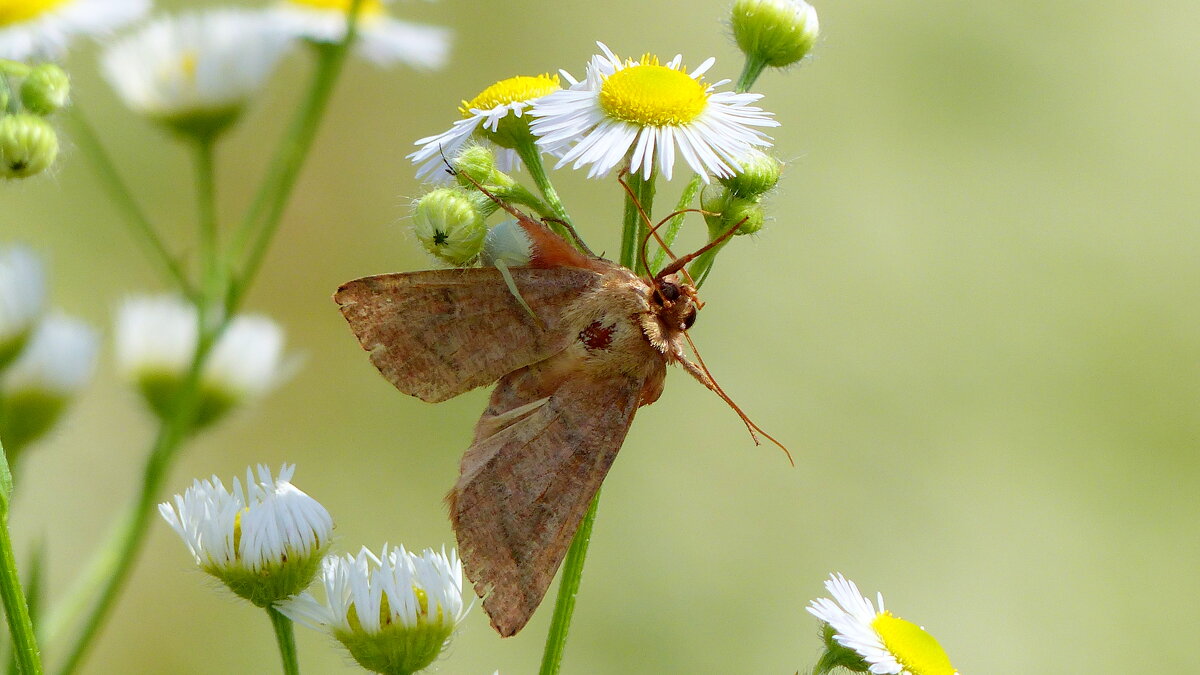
496,114
22,299
642,111
394,612
265,542
196,71
382,39
885,644
43,29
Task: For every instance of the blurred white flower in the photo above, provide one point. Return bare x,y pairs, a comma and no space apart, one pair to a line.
381,38
645,111
265,543
43,29
22,299
156,342
503,103
394,612
196,71
887,645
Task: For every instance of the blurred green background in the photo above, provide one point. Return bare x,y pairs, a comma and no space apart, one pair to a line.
974,319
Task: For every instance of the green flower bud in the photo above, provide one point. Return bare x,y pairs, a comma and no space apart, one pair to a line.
478,163
757,174
28,145
731,210
45,89
776,32
449,222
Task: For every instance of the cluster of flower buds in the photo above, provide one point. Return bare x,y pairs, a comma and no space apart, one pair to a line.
29,94
45,360
739,199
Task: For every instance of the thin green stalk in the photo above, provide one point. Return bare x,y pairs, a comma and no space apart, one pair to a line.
34,591
206,208
636,230
263,217
702,266
111,567
532,158
750,71
20,626
673,226
285,635
572,568
140,226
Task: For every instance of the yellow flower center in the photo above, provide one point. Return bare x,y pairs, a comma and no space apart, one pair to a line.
652,95
915,649
368,8
16,11
512,90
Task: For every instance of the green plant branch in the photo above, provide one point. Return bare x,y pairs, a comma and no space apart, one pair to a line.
206,209
673,226
285,636
140,226
532,158
20,625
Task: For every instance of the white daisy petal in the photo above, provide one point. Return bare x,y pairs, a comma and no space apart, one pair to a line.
41,31
382,39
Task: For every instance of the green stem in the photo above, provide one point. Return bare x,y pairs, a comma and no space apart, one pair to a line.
673,226
20,625
635,230
701,267
568,588
206,208
10,67
264,215
532,158
750,71
285,635
140,226
112,565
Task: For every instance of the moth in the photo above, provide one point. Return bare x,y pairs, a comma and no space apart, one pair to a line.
575,344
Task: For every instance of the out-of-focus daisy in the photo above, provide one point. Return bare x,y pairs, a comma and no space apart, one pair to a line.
43,29
196,72
643,111
266,542
53,367
496,114
156,342
884,644
381,39
22,299
394,612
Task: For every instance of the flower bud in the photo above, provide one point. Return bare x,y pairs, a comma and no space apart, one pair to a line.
478,163
776,32
394,613
757,174
53,367
730,210
449,223
265,544
45,89
28,145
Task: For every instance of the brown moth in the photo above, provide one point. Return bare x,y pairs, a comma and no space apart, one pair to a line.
585,349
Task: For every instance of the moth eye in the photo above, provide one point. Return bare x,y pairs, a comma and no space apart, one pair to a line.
689,319
669,291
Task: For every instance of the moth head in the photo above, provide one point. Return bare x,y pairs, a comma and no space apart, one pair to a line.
674,301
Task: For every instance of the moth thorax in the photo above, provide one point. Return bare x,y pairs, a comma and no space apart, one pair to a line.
507,244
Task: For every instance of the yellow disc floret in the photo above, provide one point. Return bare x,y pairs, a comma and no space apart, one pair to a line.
914,648
512,90
368,8
652,95
16,11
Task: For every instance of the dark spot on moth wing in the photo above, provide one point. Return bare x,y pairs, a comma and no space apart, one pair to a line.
597,336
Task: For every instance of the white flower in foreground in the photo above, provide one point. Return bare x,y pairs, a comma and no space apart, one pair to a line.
394,612
22,299
885,644
265,543
645,111
156,342
196,71
43,29
56,363
381,38
496,114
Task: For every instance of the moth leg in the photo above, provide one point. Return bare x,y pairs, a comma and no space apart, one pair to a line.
512,288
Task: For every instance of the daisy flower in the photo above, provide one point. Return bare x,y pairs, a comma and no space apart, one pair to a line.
42,29
265,542
381,38
496,114
886,644
196,71
642,111
394,612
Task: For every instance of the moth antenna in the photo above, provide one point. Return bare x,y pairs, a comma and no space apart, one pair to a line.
574,235
679,263
705,376
645,219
